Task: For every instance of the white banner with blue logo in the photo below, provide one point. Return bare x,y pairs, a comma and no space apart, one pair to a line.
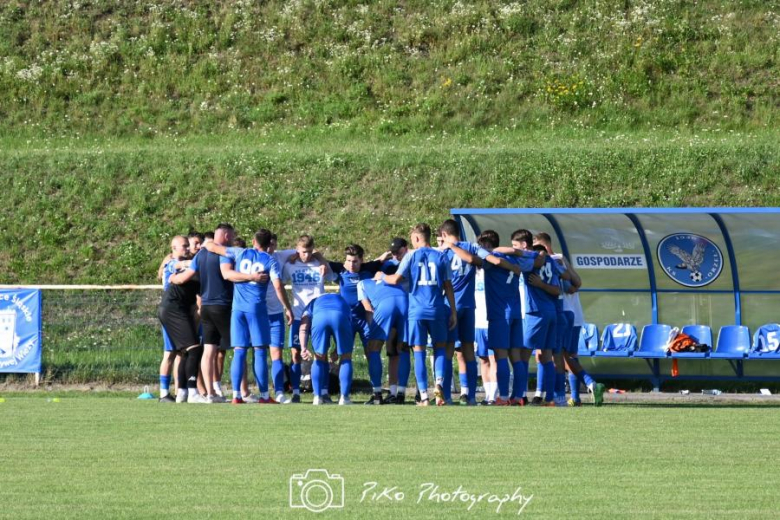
20,331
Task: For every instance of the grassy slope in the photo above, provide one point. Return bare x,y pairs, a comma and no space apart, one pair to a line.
98,458
104,211
172,68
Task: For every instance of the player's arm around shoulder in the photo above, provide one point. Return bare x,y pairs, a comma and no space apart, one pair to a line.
467,256
402,271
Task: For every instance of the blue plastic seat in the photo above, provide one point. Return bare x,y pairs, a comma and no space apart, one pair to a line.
701,334
618,340
766,342
589,340
733,343
653,341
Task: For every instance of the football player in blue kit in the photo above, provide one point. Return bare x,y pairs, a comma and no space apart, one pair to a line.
386,307
429,277
276,320
570,322
502,272
327,317
399,364
249,326
348,274
463,283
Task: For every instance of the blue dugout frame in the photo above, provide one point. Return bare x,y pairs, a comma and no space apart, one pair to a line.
468,218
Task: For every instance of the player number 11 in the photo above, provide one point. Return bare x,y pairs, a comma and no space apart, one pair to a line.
425,279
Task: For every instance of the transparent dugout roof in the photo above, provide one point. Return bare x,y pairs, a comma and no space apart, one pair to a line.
680,261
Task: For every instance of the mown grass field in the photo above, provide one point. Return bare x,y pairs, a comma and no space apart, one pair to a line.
117,457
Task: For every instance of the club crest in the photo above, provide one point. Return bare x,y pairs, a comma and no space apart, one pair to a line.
690,260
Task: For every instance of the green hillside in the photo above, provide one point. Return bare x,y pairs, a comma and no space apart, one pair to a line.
124,123
104,212
172,67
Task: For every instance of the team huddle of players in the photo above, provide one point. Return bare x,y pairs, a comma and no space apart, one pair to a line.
477,300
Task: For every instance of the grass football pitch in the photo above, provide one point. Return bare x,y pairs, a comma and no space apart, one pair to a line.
117,457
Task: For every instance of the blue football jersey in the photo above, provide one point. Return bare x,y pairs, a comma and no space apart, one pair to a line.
427,270
390,267
376,291
463,275
619,336
537,299
328,304
502,290
168,271
251,296
348,282
767,338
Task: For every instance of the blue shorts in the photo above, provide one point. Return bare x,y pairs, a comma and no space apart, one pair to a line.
417,334
464,331
565,321
539,331
389,314
325,326
574,341
167,343
294,341
249,329
276,321
481,340
361,327
505,333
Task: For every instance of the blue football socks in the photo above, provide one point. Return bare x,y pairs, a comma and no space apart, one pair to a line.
317,368
502,374
420,371
345,377
375,370
237,368
261,369
574,383
295,376
277,371
404,368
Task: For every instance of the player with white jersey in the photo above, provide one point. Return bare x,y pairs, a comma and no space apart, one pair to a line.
307,272
249,326
572,320
483,351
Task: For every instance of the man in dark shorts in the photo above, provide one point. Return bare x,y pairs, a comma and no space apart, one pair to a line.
216,291
177,313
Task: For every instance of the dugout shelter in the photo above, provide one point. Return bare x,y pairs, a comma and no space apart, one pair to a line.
713,267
